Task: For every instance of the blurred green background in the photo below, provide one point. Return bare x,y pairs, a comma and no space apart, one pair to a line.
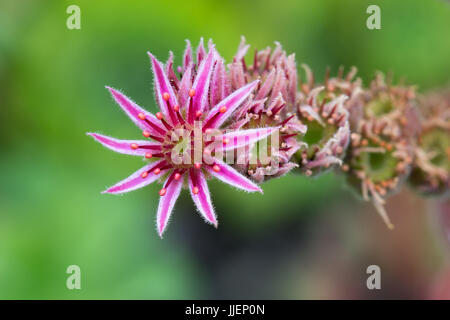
304,238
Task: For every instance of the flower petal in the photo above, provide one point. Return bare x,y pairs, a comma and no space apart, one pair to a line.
238,139
242,49
124,146
169,71
218,82
150,123
216,118
230,176
135,181
201,53
185,86
201,86
201,199
266,86
167,202
187,56
162,86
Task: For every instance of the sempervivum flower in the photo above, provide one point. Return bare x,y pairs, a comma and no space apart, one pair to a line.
268,107
376,163
186,135
323,111
393,105
341,84
431,172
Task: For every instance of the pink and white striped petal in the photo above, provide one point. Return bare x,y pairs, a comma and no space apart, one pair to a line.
185,86
230,176
218,81
238,139
187,56
169,70
201,196
223,110
201,86
167,201
162,87
266,86
150,122
136,181
125,146
242,49
201,52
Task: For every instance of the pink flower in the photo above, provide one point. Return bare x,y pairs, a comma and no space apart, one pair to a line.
269,106
190,122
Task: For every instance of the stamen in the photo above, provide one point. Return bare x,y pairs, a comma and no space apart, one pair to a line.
158,155
191,93
177,176
287,136
157,171
223,109
148,155
176,108
276,110
162,192
168,126
195,190
146,134
134,146
216,168
197,166
144,174
198,114
166,96
141,116
287,120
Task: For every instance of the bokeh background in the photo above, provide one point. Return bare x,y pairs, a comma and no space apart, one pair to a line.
303,239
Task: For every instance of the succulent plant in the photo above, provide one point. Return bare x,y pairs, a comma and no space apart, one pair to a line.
188,136
261,118
269,106
324,110
431,171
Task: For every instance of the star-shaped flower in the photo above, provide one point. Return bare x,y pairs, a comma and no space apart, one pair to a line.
187,136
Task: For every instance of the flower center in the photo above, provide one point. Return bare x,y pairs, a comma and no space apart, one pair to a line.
436,142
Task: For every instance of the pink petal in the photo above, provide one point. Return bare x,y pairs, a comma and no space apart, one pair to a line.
202,199
201,86
185,86
135,181
242,49
151,123
215,118
230,176
162,85
201,53
124,146
249,105
217,90
293,78
169,70
238,139
266,86
279,83
187,57
237,74
167,202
